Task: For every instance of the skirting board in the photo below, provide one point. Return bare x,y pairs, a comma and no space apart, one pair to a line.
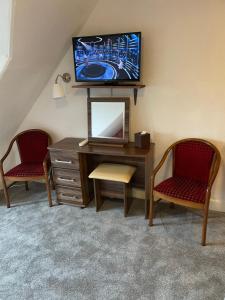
215,204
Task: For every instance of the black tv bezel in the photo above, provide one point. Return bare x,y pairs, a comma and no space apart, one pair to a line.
108,80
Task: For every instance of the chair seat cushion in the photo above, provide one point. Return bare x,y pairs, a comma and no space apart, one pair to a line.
113,172
183,188
26,170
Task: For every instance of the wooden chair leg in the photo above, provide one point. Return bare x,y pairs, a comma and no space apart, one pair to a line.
26,186
127,199
52,180
5,190
49,192
48,188
151,210
204,226
98,199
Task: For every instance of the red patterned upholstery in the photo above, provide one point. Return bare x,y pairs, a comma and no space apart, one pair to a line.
26,170
183,188
193,160
192,164
32,146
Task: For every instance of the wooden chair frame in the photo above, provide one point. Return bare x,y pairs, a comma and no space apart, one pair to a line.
47,173
204,206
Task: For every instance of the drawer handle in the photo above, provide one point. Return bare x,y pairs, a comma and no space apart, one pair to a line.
66,179
69,196
63,161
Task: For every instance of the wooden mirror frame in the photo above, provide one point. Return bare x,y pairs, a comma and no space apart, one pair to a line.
124,140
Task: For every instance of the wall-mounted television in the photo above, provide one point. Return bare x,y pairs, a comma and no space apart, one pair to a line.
107,58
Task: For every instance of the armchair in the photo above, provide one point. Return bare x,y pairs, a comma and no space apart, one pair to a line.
35,164
195,166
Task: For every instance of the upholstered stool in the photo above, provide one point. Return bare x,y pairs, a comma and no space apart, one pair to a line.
113,172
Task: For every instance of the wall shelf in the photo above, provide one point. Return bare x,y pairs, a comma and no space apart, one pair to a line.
135,88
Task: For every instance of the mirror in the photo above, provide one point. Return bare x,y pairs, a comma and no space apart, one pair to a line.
108,120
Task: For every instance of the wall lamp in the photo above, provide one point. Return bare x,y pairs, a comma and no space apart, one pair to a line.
58,90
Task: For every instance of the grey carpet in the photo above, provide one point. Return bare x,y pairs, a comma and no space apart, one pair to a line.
65,252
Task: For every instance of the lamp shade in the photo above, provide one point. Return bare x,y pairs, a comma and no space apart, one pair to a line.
58,91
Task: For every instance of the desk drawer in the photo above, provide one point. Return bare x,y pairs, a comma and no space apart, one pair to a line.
68,160
69,194
66,177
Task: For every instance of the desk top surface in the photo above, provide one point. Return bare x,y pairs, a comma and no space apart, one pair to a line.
71,144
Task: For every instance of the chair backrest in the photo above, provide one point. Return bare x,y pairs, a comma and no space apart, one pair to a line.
194,159
32,145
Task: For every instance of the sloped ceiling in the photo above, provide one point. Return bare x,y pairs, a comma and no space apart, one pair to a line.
41,34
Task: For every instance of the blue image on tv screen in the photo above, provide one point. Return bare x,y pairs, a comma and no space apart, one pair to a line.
108,57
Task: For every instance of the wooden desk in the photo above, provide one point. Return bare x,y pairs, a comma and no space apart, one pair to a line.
72,165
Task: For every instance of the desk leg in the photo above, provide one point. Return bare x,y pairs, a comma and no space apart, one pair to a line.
146,208
147,186
148,173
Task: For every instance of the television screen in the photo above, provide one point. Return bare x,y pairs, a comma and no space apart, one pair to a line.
114,57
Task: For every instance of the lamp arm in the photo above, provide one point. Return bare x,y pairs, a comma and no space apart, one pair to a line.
56,80
65,77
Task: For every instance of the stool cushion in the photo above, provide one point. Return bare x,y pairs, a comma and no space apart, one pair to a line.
113,172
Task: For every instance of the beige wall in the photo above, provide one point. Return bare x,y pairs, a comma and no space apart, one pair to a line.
41,34
183,68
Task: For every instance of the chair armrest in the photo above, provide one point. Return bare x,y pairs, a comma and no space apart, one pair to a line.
46,162
158,167
213,173
7,153
47,157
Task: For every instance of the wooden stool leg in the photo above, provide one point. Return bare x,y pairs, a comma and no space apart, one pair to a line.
26,186
127,199
98,198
